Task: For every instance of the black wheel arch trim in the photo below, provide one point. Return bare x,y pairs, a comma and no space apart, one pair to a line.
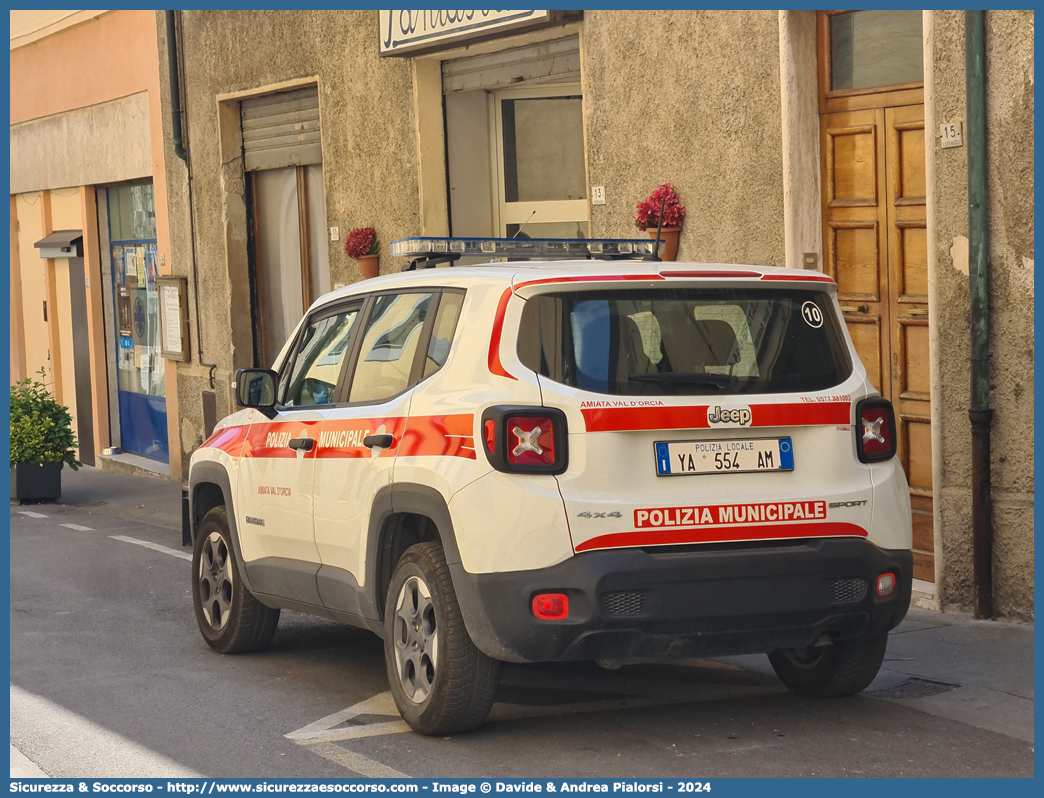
404,498
210,472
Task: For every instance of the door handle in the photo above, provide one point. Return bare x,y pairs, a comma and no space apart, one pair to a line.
383,441
302,443
855,308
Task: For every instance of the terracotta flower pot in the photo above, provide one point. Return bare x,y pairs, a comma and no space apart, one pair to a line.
369,265
668,241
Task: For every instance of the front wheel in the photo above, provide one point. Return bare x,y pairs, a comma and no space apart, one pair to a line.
441,682
231,620
845,668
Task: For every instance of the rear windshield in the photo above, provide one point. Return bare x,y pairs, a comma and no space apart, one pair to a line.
685,341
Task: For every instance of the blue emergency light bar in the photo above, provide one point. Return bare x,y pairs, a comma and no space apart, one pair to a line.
427,251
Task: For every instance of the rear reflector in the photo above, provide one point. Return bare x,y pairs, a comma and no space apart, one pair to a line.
491,436
551,606
885,585
875,430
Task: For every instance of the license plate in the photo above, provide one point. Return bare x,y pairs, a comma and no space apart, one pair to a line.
678,458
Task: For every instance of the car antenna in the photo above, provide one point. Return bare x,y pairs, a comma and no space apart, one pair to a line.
654,256
524,224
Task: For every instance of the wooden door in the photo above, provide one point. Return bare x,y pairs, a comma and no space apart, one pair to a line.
875,246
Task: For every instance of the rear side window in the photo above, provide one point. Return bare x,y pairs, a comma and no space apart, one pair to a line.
669,342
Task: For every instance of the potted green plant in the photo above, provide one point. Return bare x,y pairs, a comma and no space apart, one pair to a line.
648,218
362,246
42,441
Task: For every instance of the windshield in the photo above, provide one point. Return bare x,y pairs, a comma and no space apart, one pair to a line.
667,342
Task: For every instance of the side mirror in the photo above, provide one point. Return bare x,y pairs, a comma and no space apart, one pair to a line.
256,388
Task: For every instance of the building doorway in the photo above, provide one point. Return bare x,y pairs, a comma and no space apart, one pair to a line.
872,145
289,259
515,142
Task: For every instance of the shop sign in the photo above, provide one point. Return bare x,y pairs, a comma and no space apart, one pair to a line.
404,32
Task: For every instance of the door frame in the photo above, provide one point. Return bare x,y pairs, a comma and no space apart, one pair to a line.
553,210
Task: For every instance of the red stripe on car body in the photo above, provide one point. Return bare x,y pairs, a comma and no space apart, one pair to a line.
627,419
439,436
676,537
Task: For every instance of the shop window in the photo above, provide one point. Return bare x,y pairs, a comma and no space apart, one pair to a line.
140,373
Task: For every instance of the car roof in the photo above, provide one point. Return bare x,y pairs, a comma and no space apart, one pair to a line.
519,273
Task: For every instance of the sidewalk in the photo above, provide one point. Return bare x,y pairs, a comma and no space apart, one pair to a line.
975,672
151,500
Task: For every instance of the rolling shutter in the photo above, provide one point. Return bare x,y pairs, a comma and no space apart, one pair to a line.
556,61
282,130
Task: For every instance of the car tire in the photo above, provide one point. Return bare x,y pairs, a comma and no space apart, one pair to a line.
844,668
441,682
231,620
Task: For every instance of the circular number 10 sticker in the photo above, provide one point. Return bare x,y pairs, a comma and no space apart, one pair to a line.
812,315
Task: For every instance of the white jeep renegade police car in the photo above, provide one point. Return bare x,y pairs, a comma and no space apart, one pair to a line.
570,455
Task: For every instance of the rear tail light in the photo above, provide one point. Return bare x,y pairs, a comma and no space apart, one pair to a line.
885,585
531,440
875,430
551,606
525,440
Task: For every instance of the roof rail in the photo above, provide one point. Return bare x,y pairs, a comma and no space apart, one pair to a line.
426,252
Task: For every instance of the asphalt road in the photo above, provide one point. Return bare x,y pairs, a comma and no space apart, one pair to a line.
109,676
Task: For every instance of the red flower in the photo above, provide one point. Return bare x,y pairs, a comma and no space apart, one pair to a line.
649,209
361,241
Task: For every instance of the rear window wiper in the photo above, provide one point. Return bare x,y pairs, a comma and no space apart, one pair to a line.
686,377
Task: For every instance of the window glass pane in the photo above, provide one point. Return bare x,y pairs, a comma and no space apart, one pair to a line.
875,48
139,366
132,212
549,230
389,346
442,332
317,368
683,342
543,149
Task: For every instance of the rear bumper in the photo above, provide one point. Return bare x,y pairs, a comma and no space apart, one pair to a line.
652,604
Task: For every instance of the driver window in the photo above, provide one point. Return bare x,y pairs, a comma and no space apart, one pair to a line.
317,367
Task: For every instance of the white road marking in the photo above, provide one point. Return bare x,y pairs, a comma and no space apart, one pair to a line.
362,765
154,546
31,514
67,745
77,527
324,728
22,767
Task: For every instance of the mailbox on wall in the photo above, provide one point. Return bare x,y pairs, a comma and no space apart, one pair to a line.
61,244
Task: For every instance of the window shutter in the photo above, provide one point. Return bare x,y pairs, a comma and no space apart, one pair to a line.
282,129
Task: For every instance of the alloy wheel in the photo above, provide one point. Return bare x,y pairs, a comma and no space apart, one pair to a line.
215,582
416,639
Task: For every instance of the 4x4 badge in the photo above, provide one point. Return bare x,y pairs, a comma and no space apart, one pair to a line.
589,514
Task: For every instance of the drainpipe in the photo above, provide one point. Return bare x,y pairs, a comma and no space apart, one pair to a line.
979,412
175,86
179,150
